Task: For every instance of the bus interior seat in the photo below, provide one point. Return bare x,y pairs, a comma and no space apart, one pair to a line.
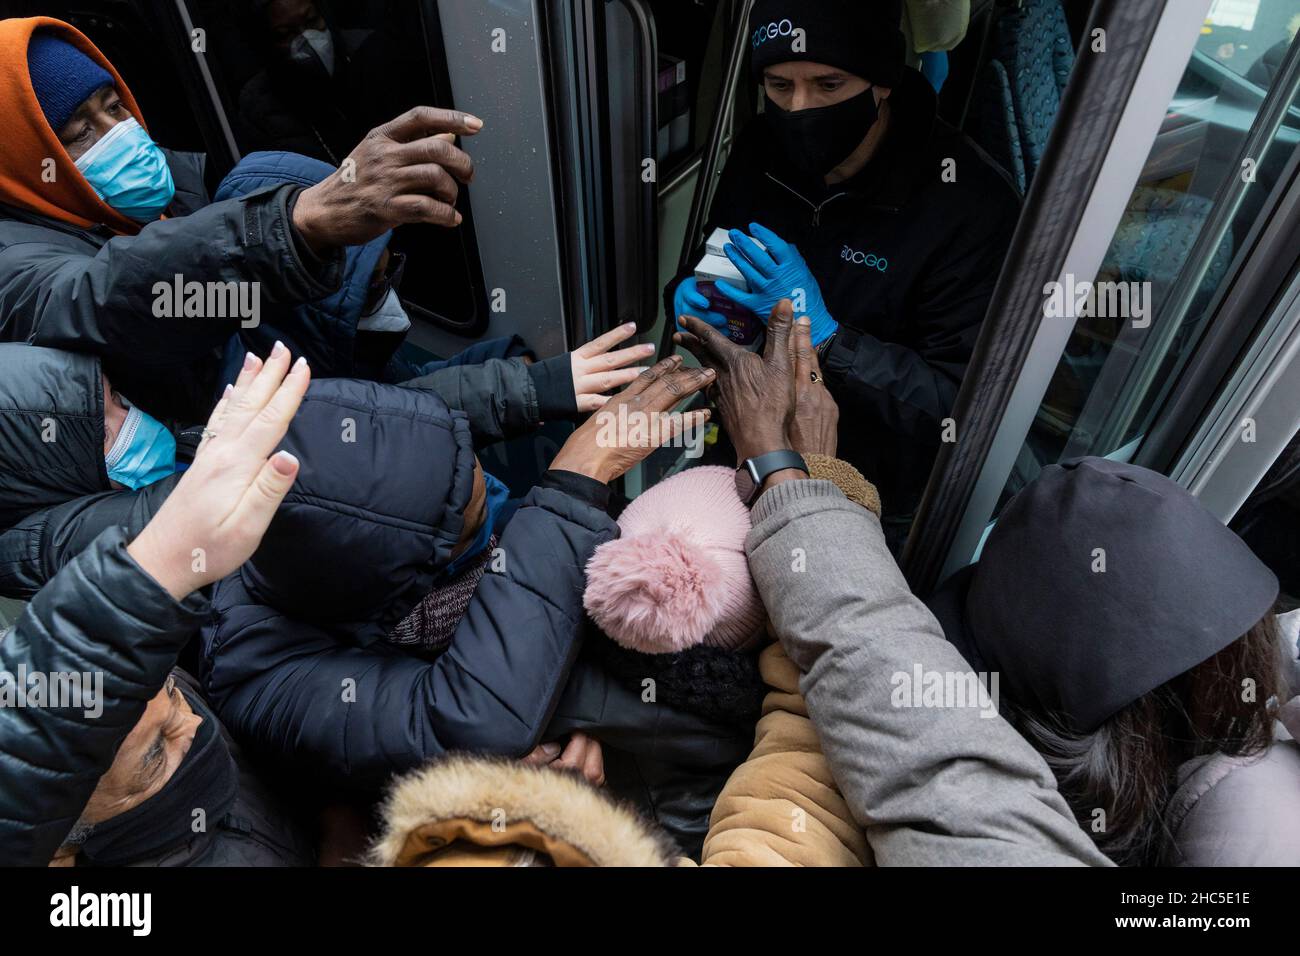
1018,95
1020,90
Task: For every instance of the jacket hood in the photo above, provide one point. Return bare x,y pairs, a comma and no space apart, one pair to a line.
474,811
387,473
1100,582
51,429
338,313
29,141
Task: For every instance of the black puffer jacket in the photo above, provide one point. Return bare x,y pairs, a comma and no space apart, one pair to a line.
55,496
93,291
295,660
102,614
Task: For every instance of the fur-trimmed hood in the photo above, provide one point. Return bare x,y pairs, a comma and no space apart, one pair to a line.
475,811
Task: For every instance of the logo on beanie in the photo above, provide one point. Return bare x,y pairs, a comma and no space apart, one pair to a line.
776,30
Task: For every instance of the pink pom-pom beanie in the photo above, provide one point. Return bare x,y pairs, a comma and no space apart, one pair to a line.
677,576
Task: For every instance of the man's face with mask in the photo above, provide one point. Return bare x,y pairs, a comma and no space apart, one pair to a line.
798,85
298,30
115,412
144,763
117,158
141,456
101,111
825,118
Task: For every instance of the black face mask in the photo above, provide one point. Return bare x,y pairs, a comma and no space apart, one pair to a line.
816,141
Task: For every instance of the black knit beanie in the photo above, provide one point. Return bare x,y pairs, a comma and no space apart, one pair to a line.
864,37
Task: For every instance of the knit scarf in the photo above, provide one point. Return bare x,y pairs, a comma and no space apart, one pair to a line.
428,629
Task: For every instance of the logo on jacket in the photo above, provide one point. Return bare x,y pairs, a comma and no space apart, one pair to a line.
868,259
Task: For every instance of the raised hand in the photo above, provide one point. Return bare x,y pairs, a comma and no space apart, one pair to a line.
214,519
814,425
405,171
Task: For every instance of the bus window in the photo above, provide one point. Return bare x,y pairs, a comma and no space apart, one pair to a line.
1136,324
313,77
1250,37
691,47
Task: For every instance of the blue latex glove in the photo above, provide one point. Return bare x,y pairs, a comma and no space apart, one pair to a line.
689,300
934,67
776,274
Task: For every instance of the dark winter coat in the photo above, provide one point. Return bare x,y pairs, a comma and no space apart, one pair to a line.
295,660
55,496
102,613
90,290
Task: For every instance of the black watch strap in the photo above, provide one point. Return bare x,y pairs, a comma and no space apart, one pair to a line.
825,347
754,471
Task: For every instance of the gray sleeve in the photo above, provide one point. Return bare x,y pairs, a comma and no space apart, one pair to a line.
930,785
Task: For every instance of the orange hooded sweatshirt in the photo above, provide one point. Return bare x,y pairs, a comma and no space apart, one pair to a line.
30,143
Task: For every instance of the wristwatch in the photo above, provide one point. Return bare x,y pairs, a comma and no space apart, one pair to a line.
825,347
754,471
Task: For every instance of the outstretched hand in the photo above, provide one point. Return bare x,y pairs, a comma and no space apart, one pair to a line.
597,370
755,393
635,422
214,519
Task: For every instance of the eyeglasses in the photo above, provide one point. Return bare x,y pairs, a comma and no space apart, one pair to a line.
390,281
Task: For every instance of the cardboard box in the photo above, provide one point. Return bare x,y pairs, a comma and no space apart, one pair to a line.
743,327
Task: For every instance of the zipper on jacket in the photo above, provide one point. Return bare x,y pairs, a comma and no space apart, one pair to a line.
816,207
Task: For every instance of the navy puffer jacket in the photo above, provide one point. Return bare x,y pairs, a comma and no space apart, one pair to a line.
294,659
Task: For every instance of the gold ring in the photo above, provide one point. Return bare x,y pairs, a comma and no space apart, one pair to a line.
817,378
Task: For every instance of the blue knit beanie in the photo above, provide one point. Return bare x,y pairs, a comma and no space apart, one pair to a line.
62,76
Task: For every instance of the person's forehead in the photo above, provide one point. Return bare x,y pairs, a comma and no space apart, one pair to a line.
146,729
289,14
805,70
95,100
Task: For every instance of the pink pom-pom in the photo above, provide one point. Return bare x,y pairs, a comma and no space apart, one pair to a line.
657,594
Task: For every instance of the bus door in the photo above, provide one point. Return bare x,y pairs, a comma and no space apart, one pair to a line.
1148,310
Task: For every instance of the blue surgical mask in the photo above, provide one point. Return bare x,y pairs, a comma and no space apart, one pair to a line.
129,172
144,452
497,496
